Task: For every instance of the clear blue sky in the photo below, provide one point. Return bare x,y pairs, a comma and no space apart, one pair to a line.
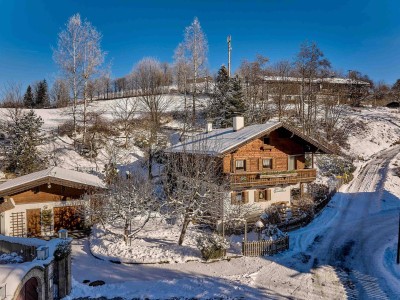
360,34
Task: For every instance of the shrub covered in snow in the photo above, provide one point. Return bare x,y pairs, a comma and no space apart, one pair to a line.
10,258
63,249
212,246
335,165
272,233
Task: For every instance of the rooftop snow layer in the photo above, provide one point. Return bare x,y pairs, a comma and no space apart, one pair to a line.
54,172
334,80
219,141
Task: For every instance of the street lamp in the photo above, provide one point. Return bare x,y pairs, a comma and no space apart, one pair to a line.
260,226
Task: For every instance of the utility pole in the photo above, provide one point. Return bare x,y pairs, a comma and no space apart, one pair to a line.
229,55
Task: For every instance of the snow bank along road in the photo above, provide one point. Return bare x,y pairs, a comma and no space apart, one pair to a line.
352,234
338,256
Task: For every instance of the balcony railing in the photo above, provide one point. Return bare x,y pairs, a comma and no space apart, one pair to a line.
272,178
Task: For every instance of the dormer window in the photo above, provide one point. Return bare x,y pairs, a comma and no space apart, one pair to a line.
266,140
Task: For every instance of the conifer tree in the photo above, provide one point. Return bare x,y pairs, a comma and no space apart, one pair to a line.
25,133
235,104
28,98
42,95
228,99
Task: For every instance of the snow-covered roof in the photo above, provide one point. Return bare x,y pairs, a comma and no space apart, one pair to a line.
220,141
51,175
333,80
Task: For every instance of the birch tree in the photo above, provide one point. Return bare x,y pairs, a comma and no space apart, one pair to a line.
69,57
193,52
79,57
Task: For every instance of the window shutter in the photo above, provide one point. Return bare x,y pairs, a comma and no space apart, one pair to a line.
233,198
268,194
273,162
245,195
247,165
256,199
233,165
260,164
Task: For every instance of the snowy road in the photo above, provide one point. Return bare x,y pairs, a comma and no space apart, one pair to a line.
349,237
338,256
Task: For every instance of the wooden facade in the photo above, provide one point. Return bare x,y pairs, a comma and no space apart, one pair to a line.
274,159
46,201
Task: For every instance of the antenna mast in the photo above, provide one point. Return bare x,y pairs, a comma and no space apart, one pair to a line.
229,55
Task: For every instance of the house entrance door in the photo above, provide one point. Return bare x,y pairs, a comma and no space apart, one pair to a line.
33,222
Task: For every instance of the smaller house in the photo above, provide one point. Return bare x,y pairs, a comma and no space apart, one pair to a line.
42,203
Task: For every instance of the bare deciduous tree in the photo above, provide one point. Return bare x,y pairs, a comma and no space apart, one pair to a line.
194,188
310,64
149,81
124,110
130,203
59,93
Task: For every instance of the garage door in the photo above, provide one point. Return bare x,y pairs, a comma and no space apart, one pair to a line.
68,217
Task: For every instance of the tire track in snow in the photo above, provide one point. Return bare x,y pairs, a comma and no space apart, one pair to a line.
363,197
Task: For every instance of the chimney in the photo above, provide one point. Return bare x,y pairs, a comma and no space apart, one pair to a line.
209,127
238,123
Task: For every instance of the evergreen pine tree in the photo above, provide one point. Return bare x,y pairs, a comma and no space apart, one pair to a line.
42,95
25,132
227,101
28,98
218,103
235,104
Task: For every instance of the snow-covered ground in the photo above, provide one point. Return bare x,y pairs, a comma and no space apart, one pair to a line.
382,129
156,243
346,252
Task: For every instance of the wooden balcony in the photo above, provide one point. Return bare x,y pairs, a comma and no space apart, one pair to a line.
272,178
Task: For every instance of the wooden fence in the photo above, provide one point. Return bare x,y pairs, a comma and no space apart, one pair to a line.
261,248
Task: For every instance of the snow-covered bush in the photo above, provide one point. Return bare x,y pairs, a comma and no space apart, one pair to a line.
212,246
63,249
10,258
318,192
335,165
271,215
272,233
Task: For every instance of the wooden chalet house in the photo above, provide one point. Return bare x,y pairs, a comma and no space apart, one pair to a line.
264,163
41,203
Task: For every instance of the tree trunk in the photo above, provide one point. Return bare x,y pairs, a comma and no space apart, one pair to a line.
185,225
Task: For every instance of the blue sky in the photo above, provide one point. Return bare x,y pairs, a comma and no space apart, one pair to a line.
359,35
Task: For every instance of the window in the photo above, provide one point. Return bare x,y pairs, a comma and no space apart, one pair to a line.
266,141
239,164
239,198
267,163
261,195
